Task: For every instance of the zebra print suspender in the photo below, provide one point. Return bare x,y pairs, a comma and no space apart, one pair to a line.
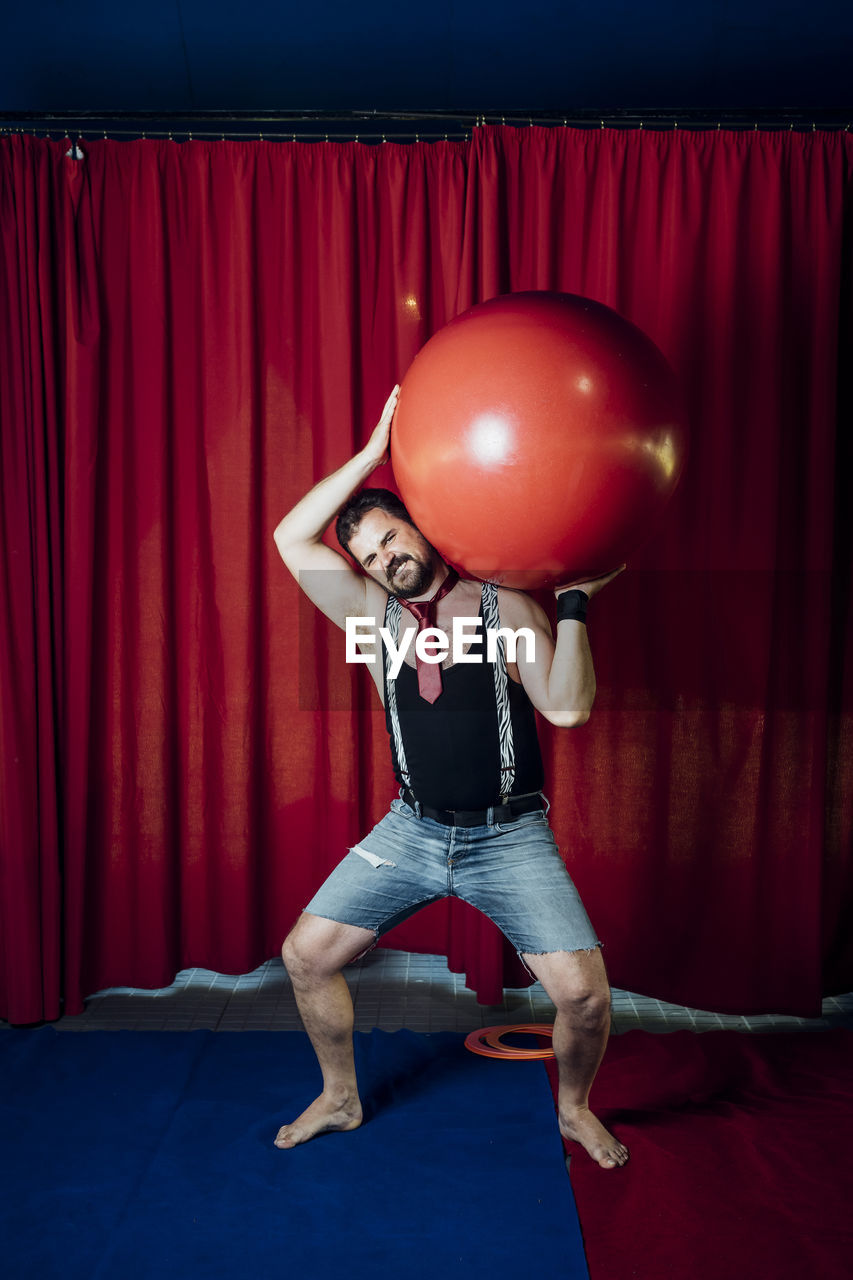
393,609
491,621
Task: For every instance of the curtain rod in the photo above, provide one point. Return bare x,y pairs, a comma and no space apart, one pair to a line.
397,125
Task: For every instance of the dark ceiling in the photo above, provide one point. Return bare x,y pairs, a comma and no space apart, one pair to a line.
196,55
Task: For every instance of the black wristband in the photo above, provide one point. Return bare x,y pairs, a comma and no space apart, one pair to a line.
572,604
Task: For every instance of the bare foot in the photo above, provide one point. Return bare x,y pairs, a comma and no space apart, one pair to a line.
325,1115
578,1124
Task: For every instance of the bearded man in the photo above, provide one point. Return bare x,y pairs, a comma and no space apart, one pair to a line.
470,820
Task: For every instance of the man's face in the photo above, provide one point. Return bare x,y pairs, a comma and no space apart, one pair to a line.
394,553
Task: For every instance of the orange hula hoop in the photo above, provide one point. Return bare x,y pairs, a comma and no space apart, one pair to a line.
488,1041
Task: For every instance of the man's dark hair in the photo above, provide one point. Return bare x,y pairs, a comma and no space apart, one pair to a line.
353,511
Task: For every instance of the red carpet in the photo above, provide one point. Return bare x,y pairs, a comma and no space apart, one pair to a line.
741,1156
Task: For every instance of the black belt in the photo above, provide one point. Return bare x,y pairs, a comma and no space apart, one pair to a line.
508,812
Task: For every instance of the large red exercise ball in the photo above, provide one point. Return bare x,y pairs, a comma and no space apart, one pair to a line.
536,437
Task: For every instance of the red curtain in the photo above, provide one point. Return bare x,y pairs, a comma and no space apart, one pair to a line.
194,333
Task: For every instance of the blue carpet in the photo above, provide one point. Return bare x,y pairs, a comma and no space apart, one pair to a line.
133,1154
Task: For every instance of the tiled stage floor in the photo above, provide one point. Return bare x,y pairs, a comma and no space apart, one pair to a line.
391,990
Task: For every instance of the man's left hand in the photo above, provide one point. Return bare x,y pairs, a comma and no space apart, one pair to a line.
592,586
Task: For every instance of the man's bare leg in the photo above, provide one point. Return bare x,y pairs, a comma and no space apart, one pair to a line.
314,953
577,983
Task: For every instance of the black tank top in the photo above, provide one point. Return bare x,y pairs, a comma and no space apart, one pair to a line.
476,742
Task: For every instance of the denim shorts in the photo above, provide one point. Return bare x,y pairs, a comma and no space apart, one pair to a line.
512,872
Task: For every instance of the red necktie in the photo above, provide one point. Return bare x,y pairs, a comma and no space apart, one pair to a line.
429,673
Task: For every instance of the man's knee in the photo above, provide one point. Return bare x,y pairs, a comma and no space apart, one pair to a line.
291,952
589,1006
302,956
577,984
317,948
585,996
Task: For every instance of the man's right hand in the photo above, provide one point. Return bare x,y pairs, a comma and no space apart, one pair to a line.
377,448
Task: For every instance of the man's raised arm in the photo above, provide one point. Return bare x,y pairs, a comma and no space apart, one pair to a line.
560,680
325,575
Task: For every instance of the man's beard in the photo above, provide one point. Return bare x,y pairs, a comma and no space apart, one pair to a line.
419,578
